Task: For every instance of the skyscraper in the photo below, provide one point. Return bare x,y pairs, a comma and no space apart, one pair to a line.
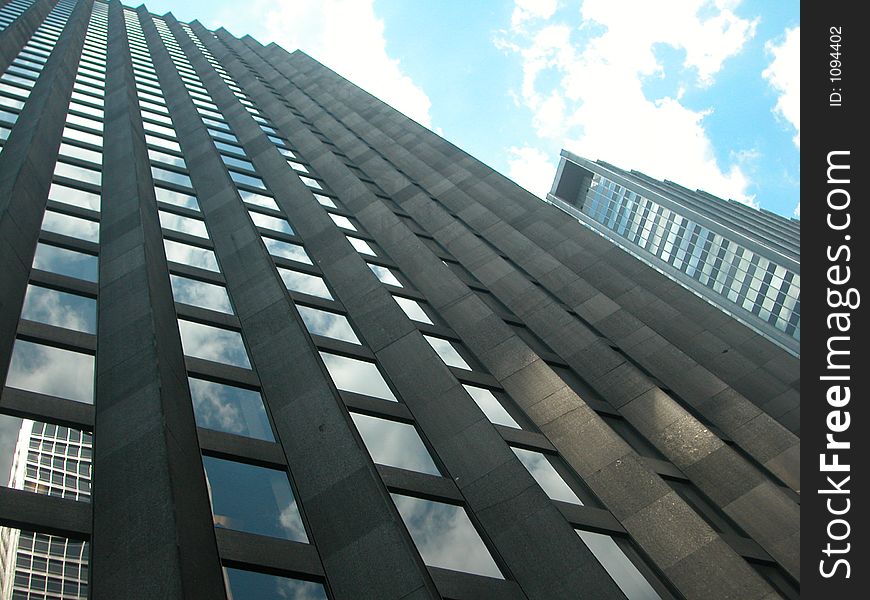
323,353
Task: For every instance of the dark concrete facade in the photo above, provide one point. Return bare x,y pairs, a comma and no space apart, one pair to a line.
670,452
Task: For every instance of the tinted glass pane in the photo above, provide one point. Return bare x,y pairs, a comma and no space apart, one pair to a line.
394,444
52,371
199,293
213,343
65,262
546,476
490,406
385,275
618,566
357,376
273,223
72,226
230,409
60,308
304,283
176,198
190,255
74,197
286,250
361,246
328,324
447,352
445,537
248,585
267,506
187,225
413,309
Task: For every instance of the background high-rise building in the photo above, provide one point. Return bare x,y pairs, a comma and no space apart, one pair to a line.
323,353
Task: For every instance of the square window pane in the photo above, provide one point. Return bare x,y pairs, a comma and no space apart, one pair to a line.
623,572
413,309
200,293
357,376
361,246
230,409
394,444
213,343
267,506
342,221
304,283
186,225
445,536
74,197
286,250
53,371
249,585
546,476
65,262
327,324
193,256
61,309
82,229
491,407
273,223
447,352
385,275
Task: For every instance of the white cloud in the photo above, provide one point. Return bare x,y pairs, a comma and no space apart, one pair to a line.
797,210
784,75
346,36
532,169
525,10
583,82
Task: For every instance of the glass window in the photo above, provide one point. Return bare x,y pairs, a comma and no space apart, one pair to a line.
342,221
82,136
249,585
267,506
394,444
357,376
229,409
273,223
165,157
52,371
361,246
170,177
491,407
231,161
447,352
160,142
82,229
187,225
546,476
213,343
385,275
304,283
193,256
258,199
413,309
65,262
325,201
60,309
623,572
74,151
247,180
62,169
286,250
176,198
200,293
445,536
327,324
312,183
297,166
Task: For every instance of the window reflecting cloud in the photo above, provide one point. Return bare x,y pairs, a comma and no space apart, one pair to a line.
53,371
385,275
286,250
342,221
394,444
304,283
490,406
166,158
327,324
213,343
187,225
413,309
65,262
230,409
447,352
248,585
247,180
200,293
176,198
273,223
258,199
60,308
171,177
193,256
445,537
357,376
325,201
618,566
361,246
82,229
267,506
546,476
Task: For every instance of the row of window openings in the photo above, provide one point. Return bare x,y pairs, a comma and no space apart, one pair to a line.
12,11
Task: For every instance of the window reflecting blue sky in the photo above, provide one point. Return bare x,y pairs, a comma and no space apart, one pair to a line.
72,226
248,585
357,376
200,293
62,309
230,409
327,324
213,343
53,371
490,406
304,283
546,476
193,256
394,444
65,262
385,275
286,250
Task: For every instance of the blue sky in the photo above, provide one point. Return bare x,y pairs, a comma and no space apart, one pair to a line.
705,93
